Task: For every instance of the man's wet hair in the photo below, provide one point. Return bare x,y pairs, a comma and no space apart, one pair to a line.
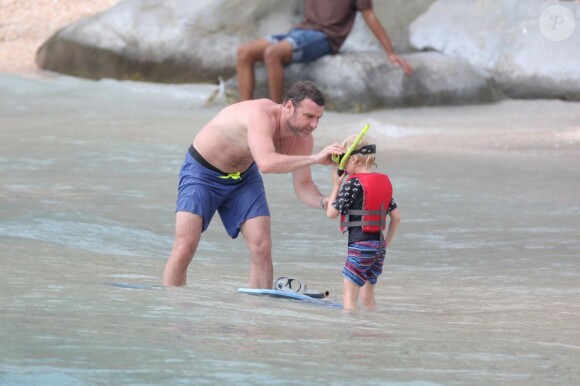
304,90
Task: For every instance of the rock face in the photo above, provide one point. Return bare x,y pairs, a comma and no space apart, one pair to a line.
170,41
356,81
482,50
176,41
531,48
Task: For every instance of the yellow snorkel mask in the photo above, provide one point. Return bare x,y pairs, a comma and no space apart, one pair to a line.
342,158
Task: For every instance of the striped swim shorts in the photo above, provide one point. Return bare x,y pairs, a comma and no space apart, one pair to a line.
362,263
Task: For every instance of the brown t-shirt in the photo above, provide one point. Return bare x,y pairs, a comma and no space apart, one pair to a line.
333,17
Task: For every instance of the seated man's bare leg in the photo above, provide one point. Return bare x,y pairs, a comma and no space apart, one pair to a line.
275,57
257,231
246,56
188,228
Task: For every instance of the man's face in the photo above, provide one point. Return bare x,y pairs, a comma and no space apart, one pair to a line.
305,117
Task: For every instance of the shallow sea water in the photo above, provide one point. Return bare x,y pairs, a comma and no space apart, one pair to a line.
481,287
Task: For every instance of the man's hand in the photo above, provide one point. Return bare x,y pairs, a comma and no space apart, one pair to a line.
324,157
400,62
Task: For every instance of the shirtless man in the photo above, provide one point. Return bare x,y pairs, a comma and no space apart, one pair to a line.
222,170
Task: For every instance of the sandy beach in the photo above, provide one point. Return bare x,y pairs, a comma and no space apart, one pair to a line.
26,24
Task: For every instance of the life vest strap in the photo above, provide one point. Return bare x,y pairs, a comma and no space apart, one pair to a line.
349,224
381,223
359,212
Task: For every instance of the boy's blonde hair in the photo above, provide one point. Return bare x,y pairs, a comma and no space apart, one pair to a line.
368,160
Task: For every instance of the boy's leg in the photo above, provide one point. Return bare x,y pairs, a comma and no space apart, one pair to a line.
349,294
367,295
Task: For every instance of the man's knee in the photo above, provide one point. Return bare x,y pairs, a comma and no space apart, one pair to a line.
261,250
277,54
184,248
263,246
249,52
243,53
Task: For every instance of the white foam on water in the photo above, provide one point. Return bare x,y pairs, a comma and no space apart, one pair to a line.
107,237
381,129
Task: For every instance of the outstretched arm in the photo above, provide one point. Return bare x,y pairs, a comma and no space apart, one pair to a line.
272,162
261,144
309,193
377,29
305,189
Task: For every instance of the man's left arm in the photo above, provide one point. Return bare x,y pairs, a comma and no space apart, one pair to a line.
306,190
377,29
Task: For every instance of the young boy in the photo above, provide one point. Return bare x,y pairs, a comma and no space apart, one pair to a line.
364,201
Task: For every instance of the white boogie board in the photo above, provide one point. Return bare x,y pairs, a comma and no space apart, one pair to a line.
291,288
274,293
289,295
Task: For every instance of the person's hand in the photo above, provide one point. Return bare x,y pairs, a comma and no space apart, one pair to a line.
398,61
324,156
336,179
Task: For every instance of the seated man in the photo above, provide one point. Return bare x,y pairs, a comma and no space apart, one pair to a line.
326,26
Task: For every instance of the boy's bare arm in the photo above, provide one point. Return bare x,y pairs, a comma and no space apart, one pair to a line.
395,220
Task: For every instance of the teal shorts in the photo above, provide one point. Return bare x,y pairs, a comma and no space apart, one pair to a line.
203,190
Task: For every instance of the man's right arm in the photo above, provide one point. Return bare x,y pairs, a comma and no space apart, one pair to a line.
281,163
268,160
377,29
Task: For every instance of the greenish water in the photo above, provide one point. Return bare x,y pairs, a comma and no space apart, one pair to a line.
481,287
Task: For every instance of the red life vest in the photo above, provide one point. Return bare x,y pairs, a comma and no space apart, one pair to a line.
378,193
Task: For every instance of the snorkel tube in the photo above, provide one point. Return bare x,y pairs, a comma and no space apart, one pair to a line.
341,160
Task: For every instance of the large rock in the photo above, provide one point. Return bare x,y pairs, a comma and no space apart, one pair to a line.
531,48
355,81
171,41
175,41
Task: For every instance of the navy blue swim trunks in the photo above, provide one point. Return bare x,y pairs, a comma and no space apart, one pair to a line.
237,197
